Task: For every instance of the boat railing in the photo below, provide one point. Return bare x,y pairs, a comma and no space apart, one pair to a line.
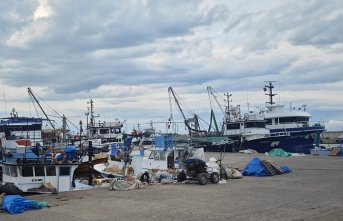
287,124
317,124
44,157
35,161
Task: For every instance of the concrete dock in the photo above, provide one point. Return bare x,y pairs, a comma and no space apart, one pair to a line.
313,191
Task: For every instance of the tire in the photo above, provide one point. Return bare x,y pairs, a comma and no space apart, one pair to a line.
181,176
214,177
202,179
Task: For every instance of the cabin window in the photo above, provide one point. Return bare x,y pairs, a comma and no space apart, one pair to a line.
64,171
104,131
13,171
32,127
269,121
254,125
293,120
117,131
26,171
39,171
7,170
50,170
233,126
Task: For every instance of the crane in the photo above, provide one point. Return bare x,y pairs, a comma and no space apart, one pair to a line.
34,97
186,121
213,117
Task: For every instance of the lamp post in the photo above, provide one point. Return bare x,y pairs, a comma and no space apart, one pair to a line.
80,132
90,165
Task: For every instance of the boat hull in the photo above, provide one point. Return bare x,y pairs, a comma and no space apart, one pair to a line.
299,140
84,166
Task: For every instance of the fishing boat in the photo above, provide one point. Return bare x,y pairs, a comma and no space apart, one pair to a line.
164,154
249,132
102,134
27,162
246,131
302,135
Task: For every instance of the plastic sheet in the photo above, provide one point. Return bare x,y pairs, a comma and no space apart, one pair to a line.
15,204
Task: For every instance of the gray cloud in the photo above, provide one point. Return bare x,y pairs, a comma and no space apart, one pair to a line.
84,46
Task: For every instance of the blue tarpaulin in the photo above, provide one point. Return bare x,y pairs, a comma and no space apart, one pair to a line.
15,204
255,168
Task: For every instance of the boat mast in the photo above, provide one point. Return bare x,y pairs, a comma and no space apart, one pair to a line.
92,113
91,120
228,112
270,92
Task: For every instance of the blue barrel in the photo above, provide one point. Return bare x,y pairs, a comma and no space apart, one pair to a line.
114,150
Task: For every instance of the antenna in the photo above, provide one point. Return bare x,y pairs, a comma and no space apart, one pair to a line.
269,87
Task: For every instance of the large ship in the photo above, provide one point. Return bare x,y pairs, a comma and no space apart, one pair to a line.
249,131
303,135
246,131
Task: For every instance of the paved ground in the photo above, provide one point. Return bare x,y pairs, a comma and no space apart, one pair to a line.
313,191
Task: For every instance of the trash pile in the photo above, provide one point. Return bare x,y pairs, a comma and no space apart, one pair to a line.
113,169
258,167
100,156
195,170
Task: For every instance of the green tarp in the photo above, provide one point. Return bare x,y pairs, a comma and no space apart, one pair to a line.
278,152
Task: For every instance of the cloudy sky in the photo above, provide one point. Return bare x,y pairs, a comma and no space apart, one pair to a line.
125,54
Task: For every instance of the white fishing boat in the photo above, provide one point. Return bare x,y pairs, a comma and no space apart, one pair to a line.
164,155
27,163
103,133
30,162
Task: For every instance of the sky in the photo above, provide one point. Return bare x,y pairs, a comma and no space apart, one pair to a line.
124,55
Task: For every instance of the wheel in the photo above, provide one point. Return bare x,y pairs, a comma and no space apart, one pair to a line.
214,177
202,179
181,176
223,174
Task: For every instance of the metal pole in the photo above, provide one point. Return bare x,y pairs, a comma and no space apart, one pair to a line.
90,166
80,133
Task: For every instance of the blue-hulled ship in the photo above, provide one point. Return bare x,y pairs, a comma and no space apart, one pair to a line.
303,136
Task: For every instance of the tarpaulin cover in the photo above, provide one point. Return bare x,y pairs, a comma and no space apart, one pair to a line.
286,169
278,152
15,204
255,168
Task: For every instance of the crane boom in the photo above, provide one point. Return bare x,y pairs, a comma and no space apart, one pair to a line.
211,92
34,97
170,90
